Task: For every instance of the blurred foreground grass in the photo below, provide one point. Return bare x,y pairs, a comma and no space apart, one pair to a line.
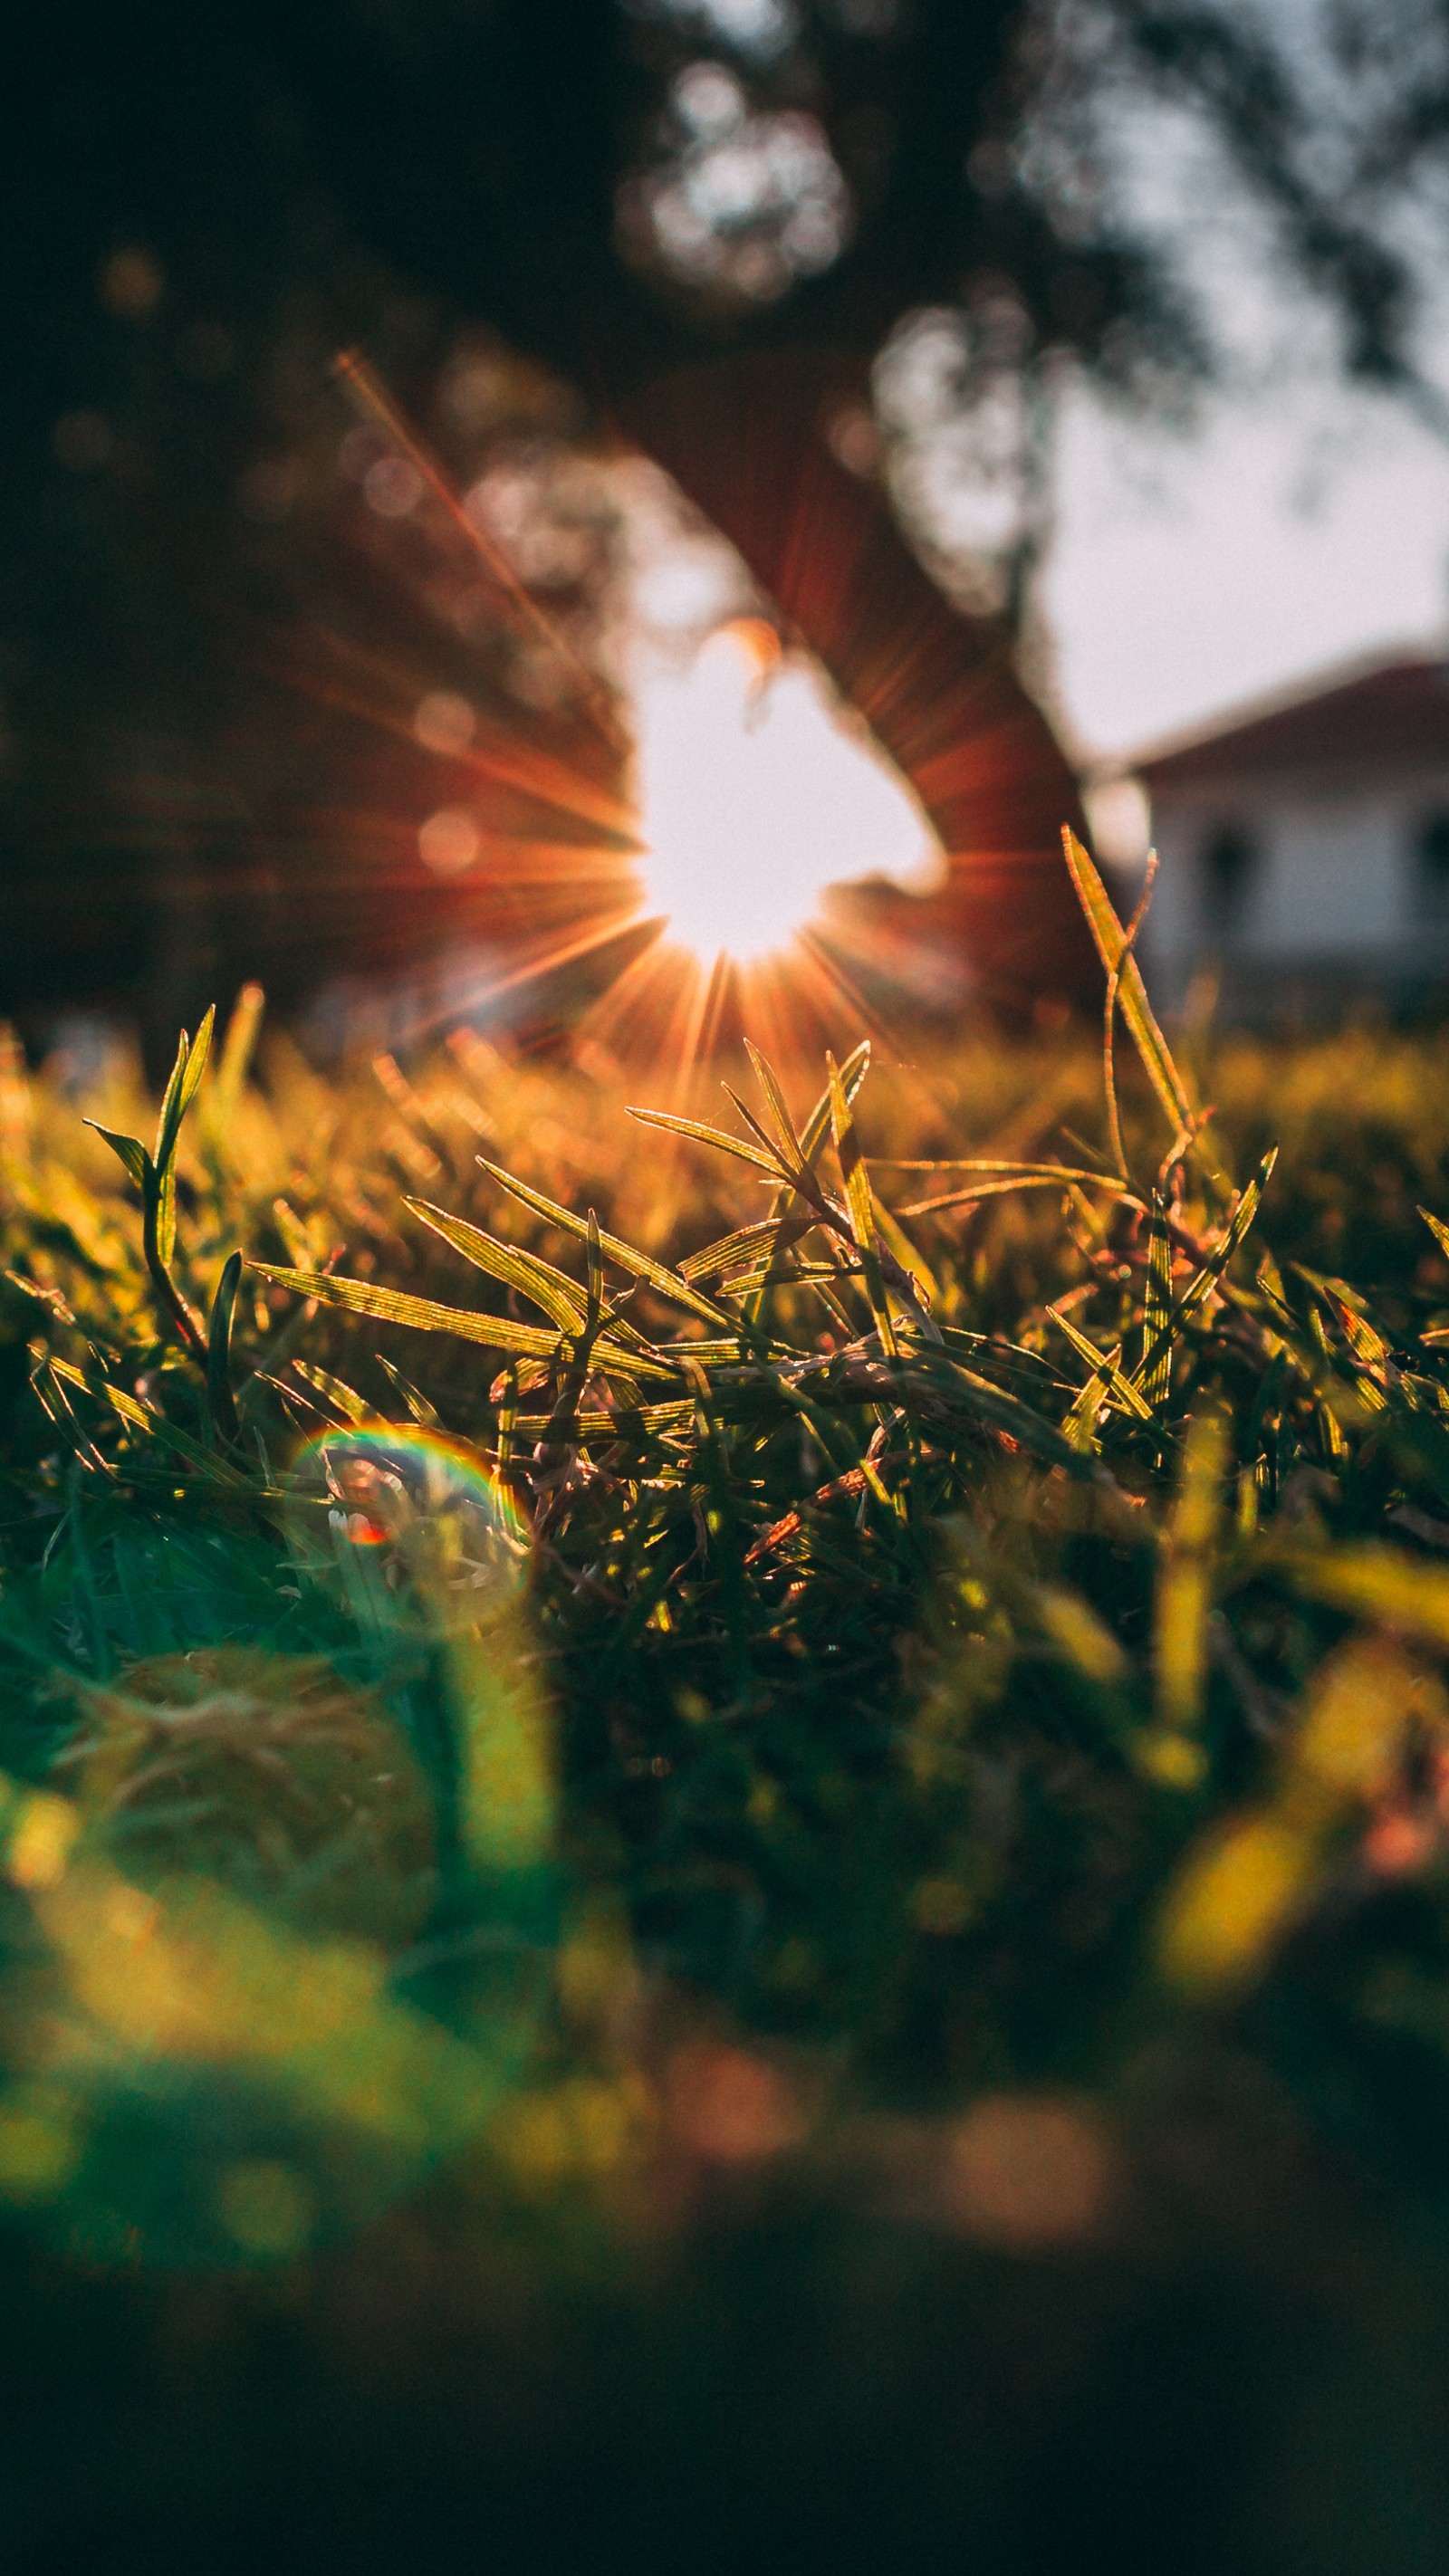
762,1876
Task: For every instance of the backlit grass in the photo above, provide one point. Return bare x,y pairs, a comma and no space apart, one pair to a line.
561,1652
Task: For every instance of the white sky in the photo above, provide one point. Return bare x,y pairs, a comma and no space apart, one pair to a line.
1300,524
1193,571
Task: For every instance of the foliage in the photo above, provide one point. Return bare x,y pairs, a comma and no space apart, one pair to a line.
892,1685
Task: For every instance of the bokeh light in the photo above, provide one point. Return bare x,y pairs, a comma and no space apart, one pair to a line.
449,841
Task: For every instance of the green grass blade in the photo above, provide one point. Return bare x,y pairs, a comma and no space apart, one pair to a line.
1103,1369
1157,1332
641,1265
539,1281
716,1137
595,1258
780,1118
1436,1226
1020,1176
1205,1280
344,1399
1111,941
423,1315
768,1235
130,1150
817,1126
785,1167
218,1348
856,1182
181,1090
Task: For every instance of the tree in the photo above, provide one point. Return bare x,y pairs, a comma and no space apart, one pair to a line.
694,210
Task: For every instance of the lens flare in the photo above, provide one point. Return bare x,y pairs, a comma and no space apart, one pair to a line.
417,1533
438,1528
756,792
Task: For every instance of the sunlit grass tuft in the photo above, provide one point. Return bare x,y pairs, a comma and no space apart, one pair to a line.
655,1635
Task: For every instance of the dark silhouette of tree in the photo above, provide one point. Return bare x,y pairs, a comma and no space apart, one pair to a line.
706,215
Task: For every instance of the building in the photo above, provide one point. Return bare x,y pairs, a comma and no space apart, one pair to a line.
1304,848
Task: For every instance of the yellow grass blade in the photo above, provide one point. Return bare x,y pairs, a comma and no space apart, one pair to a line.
1111,940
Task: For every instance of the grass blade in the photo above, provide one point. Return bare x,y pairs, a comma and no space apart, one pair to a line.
218,1348
539,1281
695,1129
657,1274
1157,1322
766,1236
780,1119
1112,948
856,1182
130,1150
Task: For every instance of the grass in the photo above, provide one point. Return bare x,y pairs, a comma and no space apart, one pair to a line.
618,1722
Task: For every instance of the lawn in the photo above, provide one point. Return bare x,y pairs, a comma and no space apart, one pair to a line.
725,1819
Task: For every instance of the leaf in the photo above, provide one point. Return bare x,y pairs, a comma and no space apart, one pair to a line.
899,1244
998,1178
856,1181
537,1280
129,1148
766,1236
145,1417
1205,1280
817,1126
780,1119
142,1417
668,1282
700,1134
161,1183
795,1274
181,1090
1436,1226
390,1306
415,1403
200,1049
344,1399
1104,1371
1111,940
218,1347
652,1420
422,1315
168,1121
595,1257
1157,1333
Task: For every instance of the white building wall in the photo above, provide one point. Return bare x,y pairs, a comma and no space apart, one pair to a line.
1334,890
1331,882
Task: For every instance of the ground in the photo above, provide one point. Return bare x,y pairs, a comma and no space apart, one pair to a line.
786,1900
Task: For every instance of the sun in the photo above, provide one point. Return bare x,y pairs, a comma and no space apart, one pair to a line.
756,790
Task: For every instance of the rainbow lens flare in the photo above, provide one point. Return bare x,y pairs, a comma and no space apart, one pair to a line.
440,1531
419,1534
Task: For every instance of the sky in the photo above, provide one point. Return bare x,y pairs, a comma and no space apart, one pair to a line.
1297,525
1192,572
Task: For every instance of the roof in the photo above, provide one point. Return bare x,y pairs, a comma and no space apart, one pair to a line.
1388,718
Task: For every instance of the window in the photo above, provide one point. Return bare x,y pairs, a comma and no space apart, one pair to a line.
1431,881
1226,868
